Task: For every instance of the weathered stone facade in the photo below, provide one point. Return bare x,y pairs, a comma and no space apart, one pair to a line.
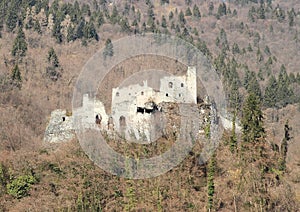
60,127
139,113
138,104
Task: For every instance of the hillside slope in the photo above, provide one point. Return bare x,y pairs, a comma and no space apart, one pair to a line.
249,44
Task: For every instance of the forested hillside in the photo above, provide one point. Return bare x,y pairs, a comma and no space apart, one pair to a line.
254,45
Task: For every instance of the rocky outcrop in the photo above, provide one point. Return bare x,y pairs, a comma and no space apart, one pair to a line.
60,127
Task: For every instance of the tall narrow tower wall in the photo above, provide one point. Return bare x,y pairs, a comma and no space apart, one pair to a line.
191,78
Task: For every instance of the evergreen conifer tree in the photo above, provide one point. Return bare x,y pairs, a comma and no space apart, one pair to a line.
252,120
20,46
196,11
108,50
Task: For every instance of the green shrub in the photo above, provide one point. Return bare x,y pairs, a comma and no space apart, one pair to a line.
20,186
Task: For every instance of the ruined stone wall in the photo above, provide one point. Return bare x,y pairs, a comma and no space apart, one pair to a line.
126,101
136,107
60,127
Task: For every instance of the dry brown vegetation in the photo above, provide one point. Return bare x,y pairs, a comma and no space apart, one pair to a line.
67,179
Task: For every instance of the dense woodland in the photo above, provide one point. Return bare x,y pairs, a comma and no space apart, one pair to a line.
70,22
252,44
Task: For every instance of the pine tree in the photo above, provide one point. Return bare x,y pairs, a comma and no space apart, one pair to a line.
138,16
233,138
185,33
37,27
210,182
100,19
181,18
12,17
52,58
201,45
257,158
16,77
284,146
95,5
54,7
210,8
252,120
53,70
126,9
196,12
280,13
20,46
163,22
234,96
114,18
71,34
251,84
234,13
267,51
256,39
235,48
108,50
125,25
76,14
284,93
171,15
56,32
230,78
151,24
30,23
228,11
16,74
223,42
249,48
222,10
291,16
261,12
292,77
188,12
85,10
80,29
260,75
270,97
89,31
144,27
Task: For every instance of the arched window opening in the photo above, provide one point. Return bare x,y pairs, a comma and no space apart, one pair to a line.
98,119
122,121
